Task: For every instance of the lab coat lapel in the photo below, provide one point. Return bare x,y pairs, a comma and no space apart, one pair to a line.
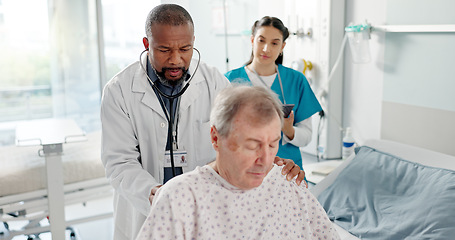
193,90
141,85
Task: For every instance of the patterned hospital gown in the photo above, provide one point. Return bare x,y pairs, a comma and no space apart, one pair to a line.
203,205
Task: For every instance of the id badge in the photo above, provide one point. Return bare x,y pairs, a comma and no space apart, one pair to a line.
180,159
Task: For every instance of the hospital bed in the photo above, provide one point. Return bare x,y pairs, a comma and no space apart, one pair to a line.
23,187
389,190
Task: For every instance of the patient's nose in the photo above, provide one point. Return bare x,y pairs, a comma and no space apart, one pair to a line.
264,155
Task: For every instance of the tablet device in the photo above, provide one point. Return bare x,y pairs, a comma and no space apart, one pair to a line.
287,108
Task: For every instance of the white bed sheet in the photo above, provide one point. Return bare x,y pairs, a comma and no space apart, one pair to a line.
410,153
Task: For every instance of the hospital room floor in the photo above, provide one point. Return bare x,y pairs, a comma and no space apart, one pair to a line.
100,229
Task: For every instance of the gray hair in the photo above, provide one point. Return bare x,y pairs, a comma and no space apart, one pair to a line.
168,14
264,104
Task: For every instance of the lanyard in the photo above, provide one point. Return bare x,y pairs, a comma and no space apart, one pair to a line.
279,79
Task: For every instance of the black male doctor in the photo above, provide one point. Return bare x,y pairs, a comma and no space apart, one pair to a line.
135,117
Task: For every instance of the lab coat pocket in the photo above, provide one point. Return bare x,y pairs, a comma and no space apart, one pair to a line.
204,150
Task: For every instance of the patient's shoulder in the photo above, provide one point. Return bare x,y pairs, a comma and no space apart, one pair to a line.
277,182
190,181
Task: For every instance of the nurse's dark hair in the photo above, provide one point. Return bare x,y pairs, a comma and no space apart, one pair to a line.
167,14
263,104
272,22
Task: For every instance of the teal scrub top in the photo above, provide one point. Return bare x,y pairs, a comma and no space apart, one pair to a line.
297,91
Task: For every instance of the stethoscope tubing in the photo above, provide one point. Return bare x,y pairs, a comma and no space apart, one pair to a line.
171,100
182,90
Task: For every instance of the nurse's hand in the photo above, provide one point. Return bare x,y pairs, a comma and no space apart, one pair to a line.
152,194
288,126
291,170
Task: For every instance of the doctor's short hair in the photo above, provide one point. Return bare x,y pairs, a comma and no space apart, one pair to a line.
168,14
263,102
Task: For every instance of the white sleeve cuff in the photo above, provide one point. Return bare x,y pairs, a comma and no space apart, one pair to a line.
302,134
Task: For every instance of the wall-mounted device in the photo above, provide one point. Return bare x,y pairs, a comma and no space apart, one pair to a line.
358,36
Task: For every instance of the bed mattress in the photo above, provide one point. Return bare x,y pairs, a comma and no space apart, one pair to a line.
23,170
395,179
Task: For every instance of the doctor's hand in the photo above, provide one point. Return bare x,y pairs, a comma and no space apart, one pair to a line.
288,126
291,170
153,192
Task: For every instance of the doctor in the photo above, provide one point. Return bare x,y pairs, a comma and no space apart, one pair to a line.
134,117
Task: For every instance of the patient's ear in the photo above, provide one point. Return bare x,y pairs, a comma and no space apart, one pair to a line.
214,137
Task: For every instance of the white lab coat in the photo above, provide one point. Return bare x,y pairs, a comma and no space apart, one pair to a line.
134,135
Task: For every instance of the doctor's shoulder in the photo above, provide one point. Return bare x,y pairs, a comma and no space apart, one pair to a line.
210,74
127,73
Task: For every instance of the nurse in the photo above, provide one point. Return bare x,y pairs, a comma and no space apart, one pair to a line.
265,69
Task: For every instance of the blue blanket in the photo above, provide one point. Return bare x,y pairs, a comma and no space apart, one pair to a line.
380,196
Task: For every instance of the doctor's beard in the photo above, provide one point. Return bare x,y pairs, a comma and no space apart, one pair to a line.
162,78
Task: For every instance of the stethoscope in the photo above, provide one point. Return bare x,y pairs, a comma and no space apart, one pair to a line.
170,114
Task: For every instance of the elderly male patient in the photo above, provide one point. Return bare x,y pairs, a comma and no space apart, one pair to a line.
242,194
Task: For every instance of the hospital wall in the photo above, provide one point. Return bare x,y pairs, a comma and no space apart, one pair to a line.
217,46
405,93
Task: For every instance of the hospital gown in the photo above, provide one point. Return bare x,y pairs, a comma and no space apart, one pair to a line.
203,205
